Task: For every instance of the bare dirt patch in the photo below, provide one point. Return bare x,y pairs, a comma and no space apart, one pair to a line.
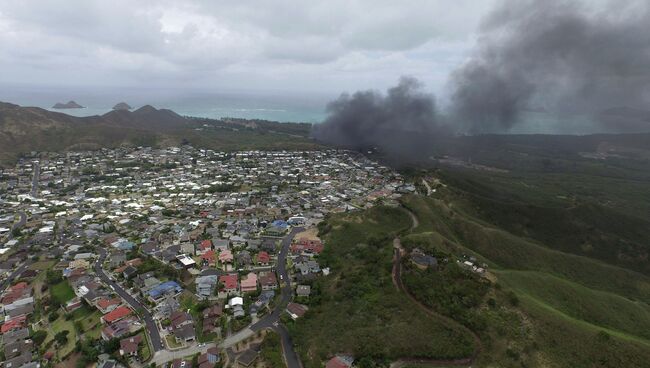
309,234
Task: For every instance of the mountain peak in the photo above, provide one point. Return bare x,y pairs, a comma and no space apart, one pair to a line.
146,109
69,105
122,106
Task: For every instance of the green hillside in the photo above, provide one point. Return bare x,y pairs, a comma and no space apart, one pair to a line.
357,309
577,310
598,308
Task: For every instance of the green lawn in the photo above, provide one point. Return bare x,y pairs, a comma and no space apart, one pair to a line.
90,322
145,351
62,292
60,324
42,265
171,342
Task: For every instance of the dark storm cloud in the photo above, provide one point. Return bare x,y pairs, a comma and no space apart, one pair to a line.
556,55
391,121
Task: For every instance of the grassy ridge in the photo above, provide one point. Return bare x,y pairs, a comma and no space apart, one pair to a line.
580,228
579,312
596,307
507,251
562,341
599,216
359,310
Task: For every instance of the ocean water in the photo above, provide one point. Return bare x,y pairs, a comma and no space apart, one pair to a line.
276,106
280,106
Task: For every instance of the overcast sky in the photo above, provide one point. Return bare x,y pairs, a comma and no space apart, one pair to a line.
328,46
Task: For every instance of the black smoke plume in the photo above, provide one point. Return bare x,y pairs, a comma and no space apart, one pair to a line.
558,56
394,122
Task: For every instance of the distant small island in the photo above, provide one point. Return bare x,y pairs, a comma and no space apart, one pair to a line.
69,105
122,106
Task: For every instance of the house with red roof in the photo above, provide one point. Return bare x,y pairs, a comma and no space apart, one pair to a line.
16,292
116,315
340,361
296,310
106,305
226,256
307,247
135,262
14,324
205,246
19,286
229,282
263,258
209,258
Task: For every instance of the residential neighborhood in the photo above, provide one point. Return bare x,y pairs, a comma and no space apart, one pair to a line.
171,257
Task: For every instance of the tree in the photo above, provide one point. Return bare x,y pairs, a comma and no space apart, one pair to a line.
62,337
111,345
38,337
53,316
53,277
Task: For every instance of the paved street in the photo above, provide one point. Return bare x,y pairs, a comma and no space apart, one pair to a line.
13,276
163,356
290,356
21,222
35,178
152,329
271,321
286,291
237,337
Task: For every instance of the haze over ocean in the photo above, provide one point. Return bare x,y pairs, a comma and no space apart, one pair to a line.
267,105
307,107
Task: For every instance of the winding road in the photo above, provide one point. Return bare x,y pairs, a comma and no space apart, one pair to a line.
397,280
272,320
152,329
